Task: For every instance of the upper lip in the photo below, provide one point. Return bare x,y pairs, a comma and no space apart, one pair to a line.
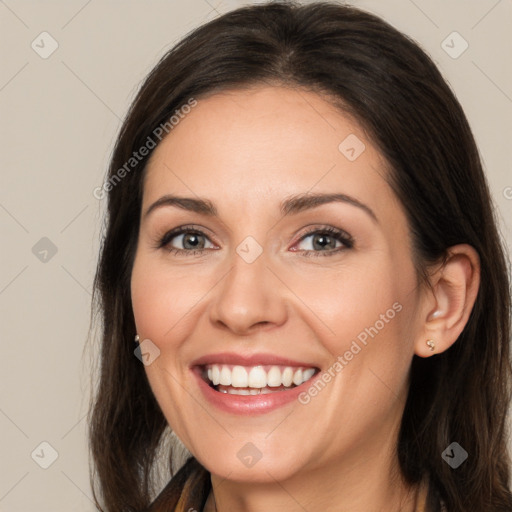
248,360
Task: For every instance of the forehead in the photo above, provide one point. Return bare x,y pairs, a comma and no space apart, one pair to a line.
266,143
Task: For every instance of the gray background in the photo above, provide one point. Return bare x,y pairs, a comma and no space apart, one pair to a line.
60,116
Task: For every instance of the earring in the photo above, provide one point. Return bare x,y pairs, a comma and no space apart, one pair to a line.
137,338
431,344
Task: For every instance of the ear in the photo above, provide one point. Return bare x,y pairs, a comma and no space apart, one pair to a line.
449,300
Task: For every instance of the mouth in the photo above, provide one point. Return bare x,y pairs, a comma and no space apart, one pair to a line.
254,380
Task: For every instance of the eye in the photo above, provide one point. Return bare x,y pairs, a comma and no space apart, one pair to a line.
190,241
324,242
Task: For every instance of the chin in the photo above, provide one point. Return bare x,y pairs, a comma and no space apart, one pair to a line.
266,469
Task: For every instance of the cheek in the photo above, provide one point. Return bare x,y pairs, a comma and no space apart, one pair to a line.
348,299
365,313
160,307
161,299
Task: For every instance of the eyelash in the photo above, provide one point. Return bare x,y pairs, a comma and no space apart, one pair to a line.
337,234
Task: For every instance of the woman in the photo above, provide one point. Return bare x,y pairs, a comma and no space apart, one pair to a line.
301,242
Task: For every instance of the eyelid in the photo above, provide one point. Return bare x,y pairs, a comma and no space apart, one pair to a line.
186,228
326,229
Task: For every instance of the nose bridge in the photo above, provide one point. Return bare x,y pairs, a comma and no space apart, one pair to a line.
249,294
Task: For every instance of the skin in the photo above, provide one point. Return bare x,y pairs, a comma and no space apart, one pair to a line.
246,151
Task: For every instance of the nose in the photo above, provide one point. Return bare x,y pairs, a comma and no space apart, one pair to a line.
249,298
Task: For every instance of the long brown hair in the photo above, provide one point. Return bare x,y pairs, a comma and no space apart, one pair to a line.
382,78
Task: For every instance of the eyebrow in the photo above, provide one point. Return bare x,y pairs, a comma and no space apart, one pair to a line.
290,206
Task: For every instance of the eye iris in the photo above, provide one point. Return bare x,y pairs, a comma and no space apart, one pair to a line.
322,244
192,239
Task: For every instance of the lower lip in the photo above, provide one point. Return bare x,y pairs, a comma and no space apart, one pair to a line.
249,404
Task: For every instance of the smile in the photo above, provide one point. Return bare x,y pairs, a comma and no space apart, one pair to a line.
255,380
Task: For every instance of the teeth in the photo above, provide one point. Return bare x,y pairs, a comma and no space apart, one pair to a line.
297,377
215,378
225,376
257,376
274,377
240,391
235,391
239,377
307,374
287,376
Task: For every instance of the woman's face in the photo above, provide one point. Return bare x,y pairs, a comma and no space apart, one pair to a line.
272,286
